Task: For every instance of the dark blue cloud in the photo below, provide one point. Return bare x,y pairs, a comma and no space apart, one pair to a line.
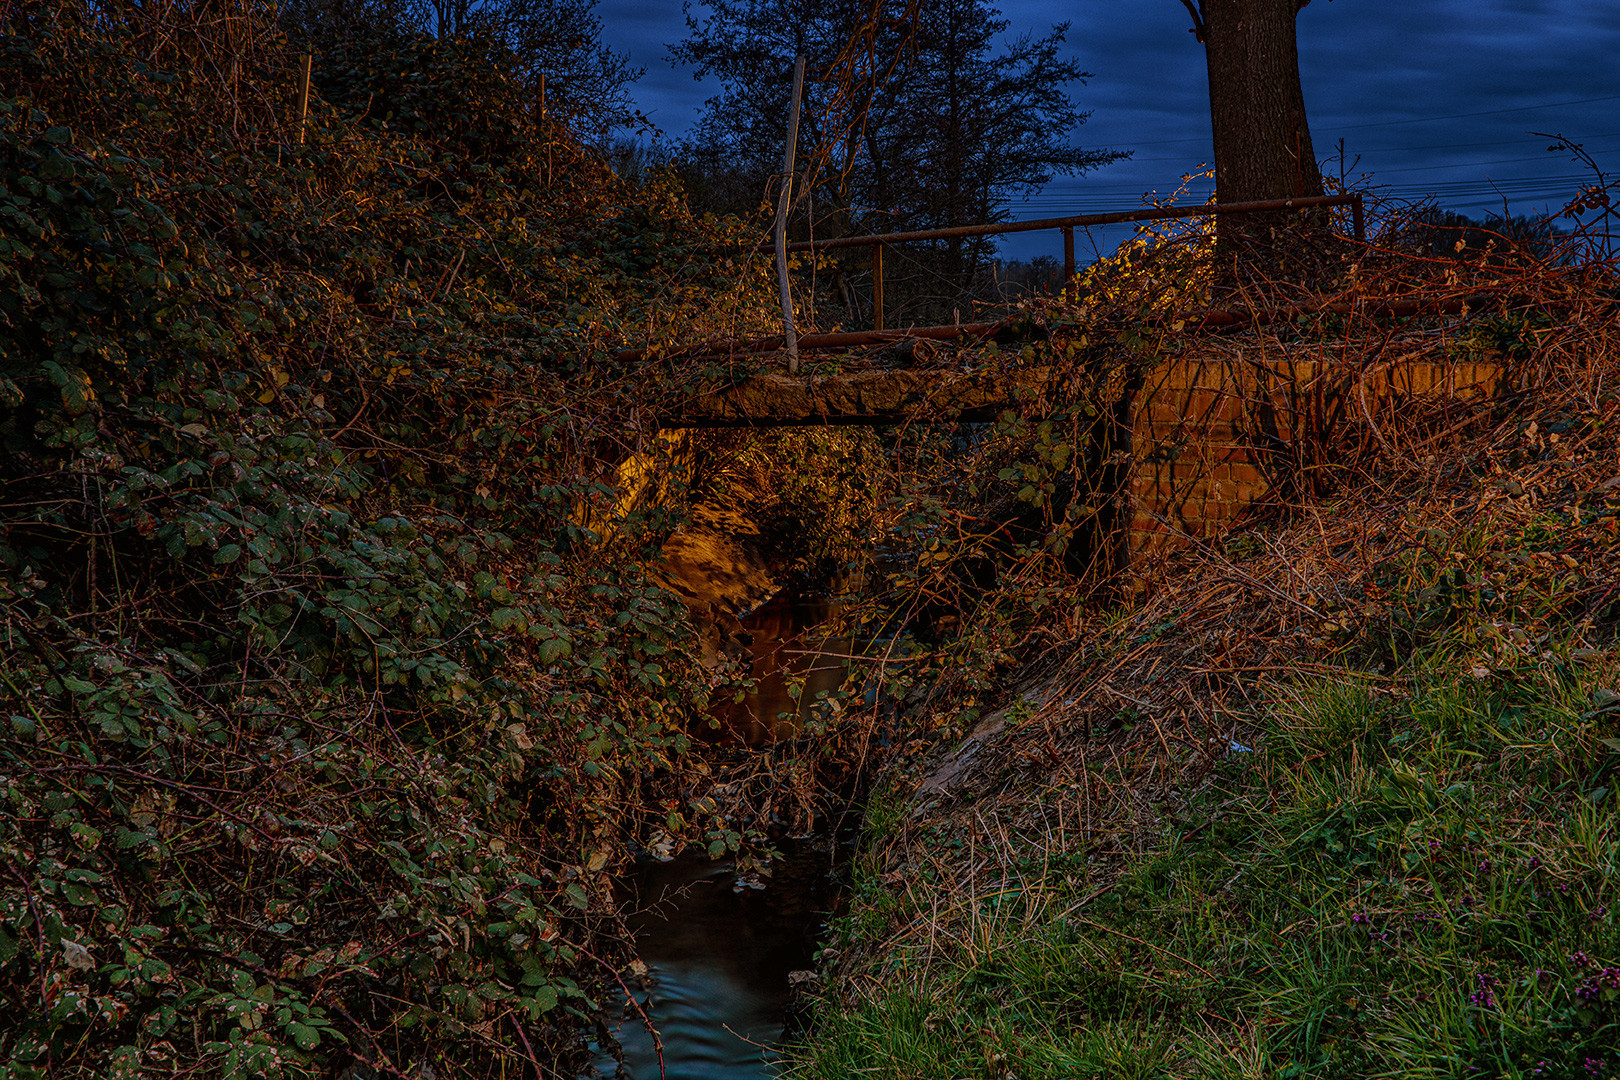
1433,96
670,97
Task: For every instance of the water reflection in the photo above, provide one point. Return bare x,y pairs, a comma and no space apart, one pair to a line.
786,647
718,957
718,960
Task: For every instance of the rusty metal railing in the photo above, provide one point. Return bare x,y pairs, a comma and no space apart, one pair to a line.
1067,225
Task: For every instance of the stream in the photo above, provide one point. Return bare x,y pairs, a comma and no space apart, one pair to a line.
719,952
719,958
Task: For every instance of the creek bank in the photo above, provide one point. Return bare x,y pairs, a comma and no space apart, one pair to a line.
755,622
719,563
1326,802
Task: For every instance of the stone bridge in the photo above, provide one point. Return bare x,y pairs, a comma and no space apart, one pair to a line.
1222,423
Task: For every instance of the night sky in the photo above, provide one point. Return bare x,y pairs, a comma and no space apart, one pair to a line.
1436,97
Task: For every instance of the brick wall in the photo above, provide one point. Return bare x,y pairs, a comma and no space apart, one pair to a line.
1213,433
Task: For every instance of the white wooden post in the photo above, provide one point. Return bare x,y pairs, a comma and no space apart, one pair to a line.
788,331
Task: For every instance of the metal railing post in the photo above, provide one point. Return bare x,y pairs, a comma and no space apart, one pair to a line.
1068,263
877,286
1358,220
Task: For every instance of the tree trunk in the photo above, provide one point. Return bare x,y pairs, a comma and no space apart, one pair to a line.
1257,110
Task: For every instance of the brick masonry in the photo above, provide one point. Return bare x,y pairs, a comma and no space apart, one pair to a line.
1214,433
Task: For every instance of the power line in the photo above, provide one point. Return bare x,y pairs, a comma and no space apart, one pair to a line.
1553,188
1422,146
1420,119
1489,112
1458,165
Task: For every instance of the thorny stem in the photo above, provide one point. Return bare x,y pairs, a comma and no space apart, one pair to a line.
658,1040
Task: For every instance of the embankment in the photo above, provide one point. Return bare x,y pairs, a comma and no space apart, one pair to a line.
1332,798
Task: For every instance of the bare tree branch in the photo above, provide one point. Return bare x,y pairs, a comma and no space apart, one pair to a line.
1198,21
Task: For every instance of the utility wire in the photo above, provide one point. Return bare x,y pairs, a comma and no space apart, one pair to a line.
1426,146
1489,112
1552,186
1417,120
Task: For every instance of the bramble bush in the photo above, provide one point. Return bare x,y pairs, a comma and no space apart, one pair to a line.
324,722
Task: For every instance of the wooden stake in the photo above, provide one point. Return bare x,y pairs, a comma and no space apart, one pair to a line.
545,114
788,332
304,63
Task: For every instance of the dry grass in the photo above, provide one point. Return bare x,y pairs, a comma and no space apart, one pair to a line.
1482,535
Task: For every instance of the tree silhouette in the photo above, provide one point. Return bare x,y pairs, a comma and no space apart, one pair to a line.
554,43
919,114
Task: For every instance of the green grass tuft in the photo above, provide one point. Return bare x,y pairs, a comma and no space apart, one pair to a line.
1409,879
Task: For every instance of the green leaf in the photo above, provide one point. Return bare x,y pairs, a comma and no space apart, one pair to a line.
227,554
306,1037
544,999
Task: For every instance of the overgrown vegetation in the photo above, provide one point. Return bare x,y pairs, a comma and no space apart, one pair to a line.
337,685
1331,797
1402,886
325,721
328,719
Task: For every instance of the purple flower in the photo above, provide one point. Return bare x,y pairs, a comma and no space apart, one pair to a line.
1580,959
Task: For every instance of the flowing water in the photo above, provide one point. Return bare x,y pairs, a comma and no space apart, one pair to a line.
719,952
719,958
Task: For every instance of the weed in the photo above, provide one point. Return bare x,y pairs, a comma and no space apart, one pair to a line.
1392,888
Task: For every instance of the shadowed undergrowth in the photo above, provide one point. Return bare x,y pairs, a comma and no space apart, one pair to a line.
1332,798
1412,882
325,722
